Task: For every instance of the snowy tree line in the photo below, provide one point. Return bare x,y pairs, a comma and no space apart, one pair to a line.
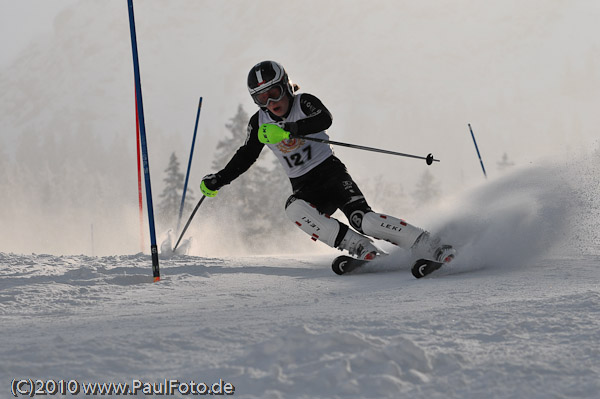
68,183
55,186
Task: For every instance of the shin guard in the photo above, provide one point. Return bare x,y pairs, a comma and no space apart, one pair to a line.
389,228
314,223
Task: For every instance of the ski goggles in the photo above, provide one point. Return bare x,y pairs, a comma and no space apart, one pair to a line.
273,93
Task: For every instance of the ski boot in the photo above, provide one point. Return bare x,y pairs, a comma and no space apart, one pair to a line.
428,247
360,247
430,254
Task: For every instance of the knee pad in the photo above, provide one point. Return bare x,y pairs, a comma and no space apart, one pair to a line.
389,228
314,223
356,220
355,211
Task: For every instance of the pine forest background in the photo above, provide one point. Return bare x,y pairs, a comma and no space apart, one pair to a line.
248,215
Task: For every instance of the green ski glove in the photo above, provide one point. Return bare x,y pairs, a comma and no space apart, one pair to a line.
210,185
207,191
269,133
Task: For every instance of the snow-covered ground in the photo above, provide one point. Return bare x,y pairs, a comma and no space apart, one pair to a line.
516,316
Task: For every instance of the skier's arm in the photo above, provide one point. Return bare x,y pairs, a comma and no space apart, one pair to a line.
319,118
244,157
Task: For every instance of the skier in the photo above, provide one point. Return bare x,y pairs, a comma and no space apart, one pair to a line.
320,182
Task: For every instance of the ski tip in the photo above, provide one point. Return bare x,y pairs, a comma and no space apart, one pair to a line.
338,265
337,270
424,267
345,264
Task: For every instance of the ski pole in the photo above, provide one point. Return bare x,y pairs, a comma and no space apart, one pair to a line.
477,149
188,222
429,158
187,175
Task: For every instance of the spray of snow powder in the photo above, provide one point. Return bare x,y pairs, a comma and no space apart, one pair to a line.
549,209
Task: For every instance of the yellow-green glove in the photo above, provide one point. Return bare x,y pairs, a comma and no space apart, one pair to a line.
269,133
210,185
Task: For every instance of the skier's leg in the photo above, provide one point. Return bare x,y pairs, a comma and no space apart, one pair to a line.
391,229
400,233
329,230
377,225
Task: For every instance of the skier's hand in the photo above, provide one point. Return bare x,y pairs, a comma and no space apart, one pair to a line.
291,127
270,133
211,184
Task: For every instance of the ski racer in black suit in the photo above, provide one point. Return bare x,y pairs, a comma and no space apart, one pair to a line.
320,182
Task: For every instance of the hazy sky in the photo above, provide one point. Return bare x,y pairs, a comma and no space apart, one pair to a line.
24,20
487,64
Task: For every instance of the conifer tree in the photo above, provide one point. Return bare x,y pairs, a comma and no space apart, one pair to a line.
427,190
168,208
504,163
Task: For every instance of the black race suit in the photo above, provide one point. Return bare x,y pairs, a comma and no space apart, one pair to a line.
328,186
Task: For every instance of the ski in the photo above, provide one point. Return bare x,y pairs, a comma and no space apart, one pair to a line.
344,264
423,267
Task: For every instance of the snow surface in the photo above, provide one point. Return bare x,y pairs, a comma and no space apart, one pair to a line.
516,315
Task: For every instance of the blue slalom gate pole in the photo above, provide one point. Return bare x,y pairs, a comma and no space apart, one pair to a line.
187,175
142,126
477,149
